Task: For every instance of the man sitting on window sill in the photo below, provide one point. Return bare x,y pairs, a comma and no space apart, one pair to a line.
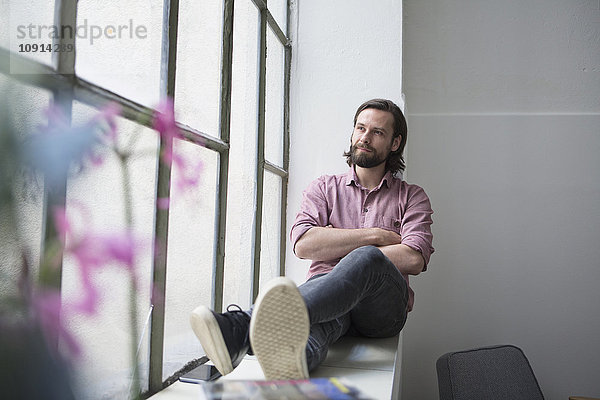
365,231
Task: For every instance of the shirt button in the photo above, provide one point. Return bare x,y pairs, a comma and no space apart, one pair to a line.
397,224
365,209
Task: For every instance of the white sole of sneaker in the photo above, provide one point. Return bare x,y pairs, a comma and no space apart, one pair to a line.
279,330
206,328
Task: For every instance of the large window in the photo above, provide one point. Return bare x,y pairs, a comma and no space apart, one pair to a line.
226,64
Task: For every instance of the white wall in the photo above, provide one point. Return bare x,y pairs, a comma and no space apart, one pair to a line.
346,52
504,134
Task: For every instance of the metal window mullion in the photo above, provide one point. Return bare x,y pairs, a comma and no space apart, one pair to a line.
260,153
267,19
92,94
283,39
65,13
32,72
43,76
269,166
163,189
286,146
225,125
262,7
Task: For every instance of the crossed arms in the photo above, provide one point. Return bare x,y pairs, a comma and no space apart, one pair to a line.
327,243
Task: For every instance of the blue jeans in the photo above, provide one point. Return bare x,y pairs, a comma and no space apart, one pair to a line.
363,295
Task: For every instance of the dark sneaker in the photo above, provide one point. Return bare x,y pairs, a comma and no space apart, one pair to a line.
224,337
279,331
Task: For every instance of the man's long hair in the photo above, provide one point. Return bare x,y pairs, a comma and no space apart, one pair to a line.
395,161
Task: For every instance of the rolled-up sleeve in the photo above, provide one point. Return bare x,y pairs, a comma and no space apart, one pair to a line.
416,224
313,211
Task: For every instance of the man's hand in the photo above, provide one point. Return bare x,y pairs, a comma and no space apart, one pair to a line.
385,237
328,243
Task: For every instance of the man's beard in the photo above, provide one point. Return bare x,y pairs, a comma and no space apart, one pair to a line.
365,159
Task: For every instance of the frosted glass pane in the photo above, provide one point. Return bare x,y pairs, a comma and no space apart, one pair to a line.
274,100
122,48
29,23
198,82
271,228
190,255
242,158
25,108
5,24
278,9
95,203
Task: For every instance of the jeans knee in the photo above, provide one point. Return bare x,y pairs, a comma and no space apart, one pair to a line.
369,251
370,254
365,262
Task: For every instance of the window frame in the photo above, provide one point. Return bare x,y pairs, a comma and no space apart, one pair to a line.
66,87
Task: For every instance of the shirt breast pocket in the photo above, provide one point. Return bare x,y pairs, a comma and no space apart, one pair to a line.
392,224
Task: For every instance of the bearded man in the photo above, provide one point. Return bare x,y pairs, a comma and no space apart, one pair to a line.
365,231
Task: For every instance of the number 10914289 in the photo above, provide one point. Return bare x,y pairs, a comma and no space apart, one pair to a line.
45,48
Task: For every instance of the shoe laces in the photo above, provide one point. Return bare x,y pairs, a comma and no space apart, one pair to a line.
235,312
230,308
237,317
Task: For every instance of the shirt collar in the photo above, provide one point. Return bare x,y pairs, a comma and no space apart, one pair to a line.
387,178
352,178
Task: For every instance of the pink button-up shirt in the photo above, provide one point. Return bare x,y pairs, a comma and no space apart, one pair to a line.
340,201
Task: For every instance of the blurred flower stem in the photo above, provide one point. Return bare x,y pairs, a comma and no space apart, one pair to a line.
135,378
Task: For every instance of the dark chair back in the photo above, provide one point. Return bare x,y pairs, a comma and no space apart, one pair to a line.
487,373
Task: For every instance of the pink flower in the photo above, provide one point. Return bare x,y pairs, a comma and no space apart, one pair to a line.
163,203
106,117
109,114
164,123
93,251
189,174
